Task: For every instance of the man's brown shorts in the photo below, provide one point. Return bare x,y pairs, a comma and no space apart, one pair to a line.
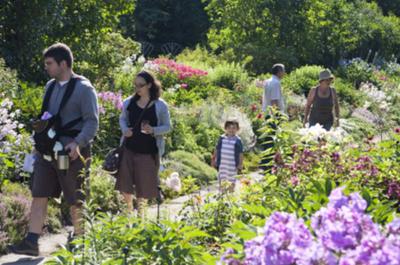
48,181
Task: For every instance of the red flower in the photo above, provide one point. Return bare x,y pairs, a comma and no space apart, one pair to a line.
397,130
259,116
253,107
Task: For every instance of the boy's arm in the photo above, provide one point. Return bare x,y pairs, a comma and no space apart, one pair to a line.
214,159
240,166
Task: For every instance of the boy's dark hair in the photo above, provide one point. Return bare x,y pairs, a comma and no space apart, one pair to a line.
60,52
276,68
231,122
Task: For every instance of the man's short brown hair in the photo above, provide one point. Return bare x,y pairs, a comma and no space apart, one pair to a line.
60,52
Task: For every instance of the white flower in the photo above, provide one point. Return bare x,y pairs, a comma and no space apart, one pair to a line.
374,94
336,135
174,182
151,66
141,59
317,132
313,133
127,66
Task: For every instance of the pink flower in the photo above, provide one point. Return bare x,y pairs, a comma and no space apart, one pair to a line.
278,158
184,86
102,110
295,180
253,107
397,130
182,71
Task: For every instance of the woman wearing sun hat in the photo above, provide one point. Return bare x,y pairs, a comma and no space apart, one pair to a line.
321,102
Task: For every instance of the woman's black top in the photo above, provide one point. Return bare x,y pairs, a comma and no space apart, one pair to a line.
140,142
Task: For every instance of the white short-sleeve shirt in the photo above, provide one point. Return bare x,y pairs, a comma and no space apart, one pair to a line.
272,91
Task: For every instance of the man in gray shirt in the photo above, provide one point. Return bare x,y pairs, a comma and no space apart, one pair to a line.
48,180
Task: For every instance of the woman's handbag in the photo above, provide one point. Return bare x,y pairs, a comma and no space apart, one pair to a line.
114,156
112,160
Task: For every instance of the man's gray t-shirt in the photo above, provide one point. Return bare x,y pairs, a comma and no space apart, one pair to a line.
82,103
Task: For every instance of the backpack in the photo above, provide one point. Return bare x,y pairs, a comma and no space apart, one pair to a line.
43,129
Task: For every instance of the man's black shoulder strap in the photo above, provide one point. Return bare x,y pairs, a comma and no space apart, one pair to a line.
46,100
68,93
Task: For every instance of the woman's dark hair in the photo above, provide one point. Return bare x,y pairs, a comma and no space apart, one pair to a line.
60,52
155,89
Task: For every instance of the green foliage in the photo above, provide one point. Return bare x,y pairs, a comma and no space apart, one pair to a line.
28,27
159,22
300,32
144,243
199,58
228,75
103,196
357,71
105,57
191,134
347,93
188,164
301,80
8,80
254,31
14,214
358,128
109,133
214,216
28,98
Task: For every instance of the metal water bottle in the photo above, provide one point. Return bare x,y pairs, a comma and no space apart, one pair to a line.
63,160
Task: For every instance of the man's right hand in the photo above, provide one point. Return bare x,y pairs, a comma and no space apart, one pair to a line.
128,133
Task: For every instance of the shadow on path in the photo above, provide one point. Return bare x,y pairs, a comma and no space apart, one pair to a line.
26,261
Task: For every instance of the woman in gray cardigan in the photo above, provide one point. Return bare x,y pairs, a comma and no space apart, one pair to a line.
144,120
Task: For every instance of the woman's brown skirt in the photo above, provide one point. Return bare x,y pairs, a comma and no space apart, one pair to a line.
139,171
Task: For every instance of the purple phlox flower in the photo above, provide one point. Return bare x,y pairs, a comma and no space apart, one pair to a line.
285,240
227,258
318,254
335,157
337,198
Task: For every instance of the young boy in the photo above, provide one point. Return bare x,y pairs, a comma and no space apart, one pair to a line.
228,154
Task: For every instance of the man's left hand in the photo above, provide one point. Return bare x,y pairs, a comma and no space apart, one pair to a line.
74,150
